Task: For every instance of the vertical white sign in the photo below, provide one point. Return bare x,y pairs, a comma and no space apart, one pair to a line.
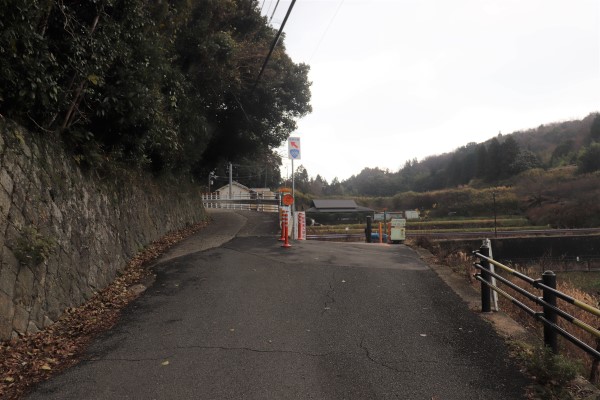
294,148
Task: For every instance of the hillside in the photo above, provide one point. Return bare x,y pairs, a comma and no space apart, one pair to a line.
551,142
491,163
550,174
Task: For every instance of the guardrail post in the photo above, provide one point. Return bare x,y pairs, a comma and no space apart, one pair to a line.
486,292
550,335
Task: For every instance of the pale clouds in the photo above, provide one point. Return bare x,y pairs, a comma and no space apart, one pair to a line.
395,80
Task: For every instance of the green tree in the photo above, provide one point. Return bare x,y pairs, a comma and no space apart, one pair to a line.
335,188
161,85
595,129
301,180
482,161
563,153
29,71
494,161
318,185
589,159
509,151
524,161
371,182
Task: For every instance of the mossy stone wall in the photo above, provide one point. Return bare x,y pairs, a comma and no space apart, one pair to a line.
65,233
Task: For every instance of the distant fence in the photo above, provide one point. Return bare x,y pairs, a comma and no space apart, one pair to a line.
548,301
338,237
242,201
565,263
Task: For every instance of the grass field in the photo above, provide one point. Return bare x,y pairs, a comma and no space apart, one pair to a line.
448,224
587,281
462,223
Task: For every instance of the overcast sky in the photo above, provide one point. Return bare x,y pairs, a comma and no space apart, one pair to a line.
401,79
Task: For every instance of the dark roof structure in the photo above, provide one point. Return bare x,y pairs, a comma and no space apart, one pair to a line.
336,206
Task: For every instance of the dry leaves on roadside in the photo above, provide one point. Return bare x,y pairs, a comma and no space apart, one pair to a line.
33,358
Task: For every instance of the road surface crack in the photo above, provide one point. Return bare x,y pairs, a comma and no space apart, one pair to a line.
302,353
140,359
329,296
380,363
111,359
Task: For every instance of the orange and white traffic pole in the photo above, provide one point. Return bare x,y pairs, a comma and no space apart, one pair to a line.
300,226
286,243
282,217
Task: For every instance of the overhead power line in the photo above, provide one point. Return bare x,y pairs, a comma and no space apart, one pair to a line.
326,30
275,40
269,8
273,13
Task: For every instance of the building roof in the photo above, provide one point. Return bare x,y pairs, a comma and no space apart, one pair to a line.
335,204
234,183
261,190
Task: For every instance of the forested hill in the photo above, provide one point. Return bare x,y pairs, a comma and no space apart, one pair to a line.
490,163
162,85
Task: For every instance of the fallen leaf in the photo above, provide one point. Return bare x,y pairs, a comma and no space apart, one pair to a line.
46,367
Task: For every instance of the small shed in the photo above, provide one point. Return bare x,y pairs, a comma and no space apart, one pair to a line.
262,193
238,191
332,212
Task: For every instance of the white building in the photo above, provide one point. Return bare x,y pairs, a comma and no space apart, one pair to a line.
238,191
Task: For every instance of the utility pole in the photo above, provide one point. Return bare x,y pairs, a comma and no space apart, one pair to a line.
495,226
211,176
230,181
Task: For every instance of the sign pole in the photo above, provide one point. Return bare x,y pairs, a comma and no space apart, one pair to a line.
230,181
293,205
293,154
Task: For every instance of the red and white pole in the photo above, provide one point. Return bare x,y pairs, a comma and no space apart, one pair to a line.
300,226
286,243
283,217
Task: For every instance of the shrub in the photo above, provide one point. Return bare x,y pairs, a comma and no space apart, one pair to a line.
33,248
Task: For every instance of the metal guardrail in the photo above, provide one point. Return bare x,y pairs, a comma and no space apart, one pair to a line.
548,301
503,233
242,201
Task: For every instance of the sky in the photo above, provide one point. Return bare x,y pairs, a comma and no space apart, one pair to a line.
402,79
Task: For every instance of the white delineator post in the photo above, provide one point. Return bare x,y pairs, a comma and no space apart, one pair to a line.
301,225
494,299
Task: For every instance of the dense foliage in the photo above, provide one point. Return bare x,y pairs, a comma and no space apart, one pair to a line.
167,85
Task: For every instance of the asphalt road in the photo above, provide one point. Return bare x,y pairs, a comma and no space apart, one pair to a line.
250,320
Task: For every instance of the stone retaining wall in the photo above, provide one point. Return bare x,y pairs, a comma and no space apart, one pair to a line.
64,233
